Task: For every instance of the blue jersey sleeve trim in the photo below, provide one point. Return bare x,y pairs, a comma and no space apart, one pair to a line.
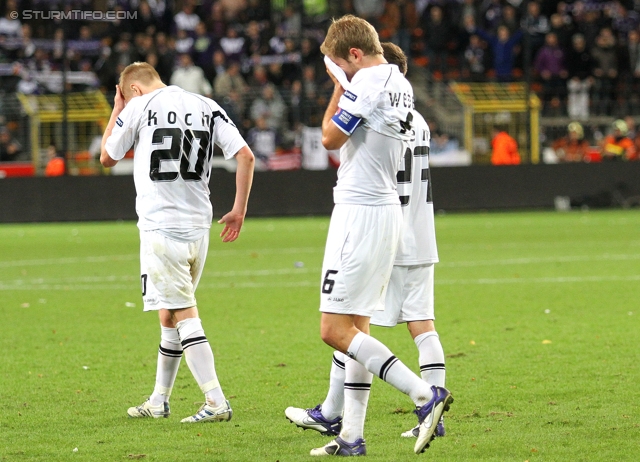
346,122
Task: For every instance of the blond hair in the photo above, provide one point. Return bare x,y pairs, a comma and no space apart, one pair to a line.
350,32
143,73
394,55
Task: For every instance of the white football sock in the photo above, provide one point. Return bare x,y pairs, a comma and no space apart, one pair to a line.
431,358
169,356
199,358
357,387
334,402
379,360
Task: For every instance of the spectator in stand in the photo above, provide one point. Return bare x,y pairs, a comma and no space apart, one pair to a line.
605,70
475,60
563,28
291,69
262,140
536,24
617,146
579,68
589,24
55,162
492,16
408,23
309,83
229,81
623,21
631,73
510,19
291,23
166,56
146,20
436,34
276,77
184,42
572,147
631,127
144,45
233,45
461,11
10,149
217,66
152,60
190,77
116,27
259,77
28,48
202,46
270,106
505,148
257,44
215,22
310,56
502,46
123,54
232,9
10,27
442,143
186,19
550,67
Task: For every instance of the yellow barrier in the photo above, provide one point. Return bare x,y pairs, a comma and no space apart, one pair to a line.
488,104
87,117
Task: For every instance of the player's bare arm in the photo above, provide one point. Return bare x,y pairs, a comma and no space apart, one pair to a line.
234,220
118,105
332,136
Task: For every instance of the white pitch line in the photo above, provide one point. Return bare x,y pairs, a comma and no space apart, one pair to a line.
128,257
129,278
316,282
453,264
544,280
534,260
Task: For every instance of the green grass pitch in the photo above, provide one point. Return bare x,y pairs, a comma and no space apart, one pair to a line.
538,314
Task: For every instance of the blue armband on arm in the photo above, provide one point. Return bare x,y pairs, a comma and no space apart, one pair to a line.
346,122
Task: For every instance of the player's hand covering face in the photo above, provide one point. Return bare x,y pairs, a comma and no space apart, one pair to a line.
348,66
118,100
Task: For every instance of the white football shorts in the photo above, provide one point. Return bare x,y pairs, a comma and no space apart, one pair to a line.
358,258
409,296
170,270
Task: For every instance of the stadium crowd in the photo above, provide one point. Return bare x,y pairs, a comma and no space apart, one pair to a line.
260,59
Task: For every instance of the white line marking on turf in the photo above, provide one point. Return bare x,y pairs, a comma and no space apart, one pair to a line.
314,283
533,260
106,258
127,278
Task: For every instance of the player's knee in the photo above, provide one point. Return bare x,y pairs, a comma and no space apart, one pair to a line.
331,335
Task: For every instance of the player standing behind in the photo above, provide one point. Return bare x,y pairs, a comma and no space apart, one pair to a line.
173,133
370,121
410,293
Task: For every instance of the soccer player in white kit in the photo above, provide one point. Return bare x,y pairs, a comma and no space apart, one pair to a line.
370,121
173,133
410,294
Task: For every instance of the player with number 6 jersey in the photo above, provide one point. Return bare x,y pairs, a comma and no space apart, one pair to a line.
173,133
369,119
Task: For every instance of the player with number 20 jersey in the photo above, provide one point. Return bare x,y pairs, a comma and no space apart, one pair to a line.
173,133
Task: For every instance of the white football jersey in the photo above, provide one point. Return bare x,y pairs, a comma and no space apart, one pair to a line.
375,110
173,133
418,237
314,155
